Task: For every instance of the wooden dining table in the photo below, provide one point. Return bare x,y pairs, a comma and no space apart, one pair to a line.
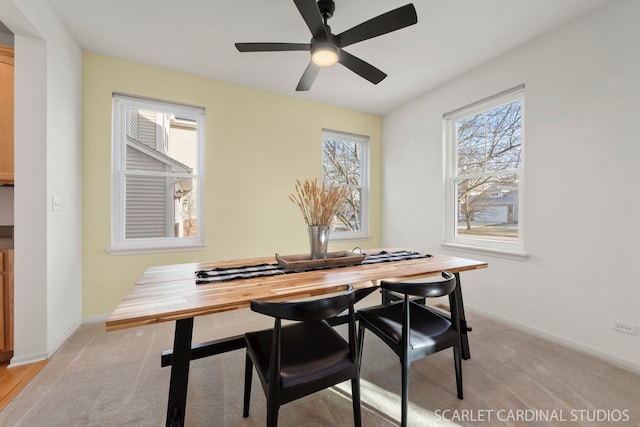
170,293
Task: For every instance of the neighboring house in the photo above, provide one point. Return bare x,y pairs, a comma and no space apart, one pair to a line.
182,146
158,206
495,206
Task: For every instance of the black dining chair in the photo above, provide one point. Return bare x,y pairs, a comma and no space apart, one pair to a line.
413,330
304,357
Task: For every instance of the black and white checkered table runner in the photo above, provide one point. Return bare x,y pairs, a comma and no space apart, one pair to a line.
262,270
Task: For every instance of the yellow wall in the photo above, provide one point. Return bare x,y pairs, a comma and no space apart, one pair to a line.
257,144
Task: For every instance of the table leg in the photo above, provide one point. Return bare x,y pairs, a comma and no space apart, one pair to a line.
179,372
457,294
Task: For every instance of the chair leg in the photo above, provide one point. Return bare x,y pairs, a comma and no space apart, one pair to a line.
385,297
405,392
248,373
272,413
360,344
355,397
457,358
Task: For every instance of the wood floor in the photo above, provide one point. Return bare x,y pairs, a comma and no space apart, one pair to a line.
12,380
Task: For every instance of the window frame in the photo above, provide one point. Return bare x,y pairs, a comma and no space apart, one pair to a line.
451,239
119,243
364,142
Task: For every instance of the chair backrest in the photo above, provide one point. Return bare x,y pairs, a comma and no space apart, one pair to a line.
318,309
423,289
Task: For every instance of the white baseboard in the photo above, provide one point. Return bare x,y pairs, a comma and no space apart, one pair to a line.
98,318
38,357
26,360
607,357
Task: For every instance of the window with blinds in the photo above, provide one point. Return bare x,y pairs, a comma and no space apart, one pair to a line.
157,175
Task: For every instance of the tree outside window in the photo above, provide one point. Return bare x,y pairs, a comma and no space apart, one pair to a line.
485,166
345,162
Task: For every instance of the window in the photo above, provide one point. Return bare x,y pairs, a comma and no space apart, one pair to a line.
157,175
345,161
484,174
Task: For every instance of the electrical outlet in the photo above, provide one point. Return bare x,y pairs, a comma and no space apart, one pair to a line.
621,326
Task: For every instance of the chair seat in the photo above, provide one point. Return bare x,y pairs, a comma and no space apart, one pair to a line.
313,350
430,332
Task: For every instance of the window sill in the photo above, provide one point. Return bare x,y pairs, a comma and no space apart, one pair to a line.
348,236
515,255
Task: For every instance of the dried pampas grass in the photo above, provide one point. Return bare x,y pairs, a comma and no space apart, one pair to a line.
317,203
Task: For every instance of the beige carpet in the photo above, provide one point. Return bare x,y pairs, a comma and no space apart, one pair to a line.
513,379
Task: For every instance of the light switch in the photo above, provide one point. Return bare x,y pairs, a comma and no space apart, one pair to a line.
56,203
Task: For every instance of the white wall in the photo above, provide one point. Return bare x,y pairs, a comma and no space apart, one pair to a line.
47,162
30,231
582,100
64,178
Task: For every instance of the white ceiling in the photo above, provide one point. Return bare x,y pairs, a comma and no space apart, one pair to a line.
198,36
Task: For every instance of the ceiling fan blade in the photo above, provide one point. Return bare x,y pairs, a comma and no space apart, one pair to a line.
271,47
311,15
360,67
308,77
382,24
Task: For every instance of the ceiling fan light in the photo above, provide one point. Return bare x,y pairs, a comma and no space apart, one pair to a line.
324,55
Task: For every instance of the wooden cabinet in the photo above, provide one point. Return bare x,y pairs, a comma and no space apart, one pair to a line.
6,115
6,304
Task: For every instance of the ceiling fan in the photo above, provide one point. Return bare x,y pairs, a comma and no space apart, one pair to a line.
327,49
